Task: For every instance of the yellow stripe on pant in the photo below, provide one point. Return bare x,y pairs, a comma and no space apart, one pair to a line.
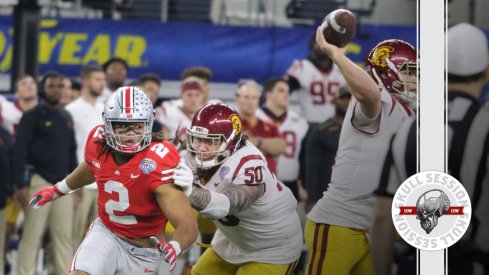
336,250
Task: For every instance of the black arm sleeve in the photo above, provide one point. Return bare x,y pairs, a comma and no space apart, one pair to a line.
302,159
294,84
73,157
25,132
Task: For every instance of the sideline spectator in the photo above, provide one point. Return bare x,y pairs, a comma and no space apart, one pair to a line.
45,142
115,76
86,112
264,136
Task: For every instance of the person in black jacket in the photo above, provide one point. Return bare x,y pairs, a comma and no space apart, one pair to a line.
45,145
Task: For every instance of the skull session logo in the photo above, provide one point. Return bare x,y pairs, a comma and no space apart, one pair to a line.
428,210
431,210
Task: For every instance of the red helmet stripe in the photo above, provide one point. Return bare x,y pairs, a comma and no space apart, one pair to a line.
128,101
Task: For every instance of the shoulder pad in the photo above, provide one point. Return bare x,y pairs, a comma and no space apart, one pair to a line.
164,154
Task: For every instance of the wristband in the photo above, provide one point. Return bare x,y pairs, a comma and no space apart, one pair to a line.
63,187
176,246
218,206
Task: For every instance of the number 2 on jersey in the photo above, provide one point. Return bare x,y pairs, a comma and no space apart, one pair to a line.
120,205
160,150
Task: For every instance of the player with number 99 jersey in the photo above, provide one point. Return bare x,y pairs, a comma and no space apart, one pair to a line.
316,89
126,200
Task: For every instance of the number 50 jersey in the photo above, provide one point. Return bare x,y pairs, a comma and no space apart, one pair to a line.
269,230
126,201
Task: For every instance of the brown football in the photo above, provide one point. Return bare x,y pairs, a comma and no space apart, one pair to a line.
339,27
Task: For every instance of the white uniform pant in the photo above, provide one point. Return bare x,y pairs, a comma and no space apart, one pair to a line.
103,253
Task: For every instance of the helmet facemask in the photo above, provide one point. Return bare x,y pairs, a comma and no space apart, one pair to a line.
216,144
118,136
405,87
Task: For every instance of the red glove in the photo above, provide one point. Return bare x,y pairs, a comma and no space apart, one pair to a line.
169,250
44,196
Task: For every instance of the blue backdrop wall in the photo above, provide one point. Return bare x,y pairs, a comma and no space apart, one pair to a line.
167,48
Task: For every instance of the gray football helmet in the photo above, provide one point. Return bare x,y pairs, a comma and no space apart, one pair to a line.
128,105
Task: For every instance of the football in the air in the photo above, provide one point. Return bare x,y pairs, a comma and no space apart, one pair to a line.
339,27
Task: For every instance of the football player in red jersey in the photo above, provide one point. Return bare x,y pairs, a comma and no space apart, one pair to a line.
133,169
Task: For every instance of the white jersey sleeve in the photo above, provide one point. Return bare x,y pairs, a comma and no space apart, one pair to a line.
269,230
317,89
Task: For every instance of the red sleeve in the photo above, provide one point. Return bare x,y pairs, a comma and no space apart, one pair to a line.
167,158
275,133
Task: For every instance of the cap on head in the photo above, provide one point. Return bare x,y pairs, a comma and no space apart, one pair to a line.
467,50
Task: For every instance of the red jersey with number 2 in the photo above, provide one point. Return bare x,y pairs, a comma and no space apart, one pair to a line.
126,194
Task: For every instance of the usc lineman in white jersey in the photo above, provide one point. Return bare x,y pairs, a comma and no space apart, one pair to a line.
259,230
335,232
292,127
316,80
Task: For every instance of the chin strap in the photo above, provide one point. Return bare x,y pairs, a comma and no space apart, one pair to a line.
408,98
205,164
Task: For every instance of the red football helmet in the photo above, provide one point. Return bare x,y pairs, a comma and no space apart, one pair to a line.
215,134
393,65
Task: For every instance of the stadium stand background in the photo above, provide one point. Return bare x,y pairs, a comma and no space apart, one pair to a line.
260,20
250,15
